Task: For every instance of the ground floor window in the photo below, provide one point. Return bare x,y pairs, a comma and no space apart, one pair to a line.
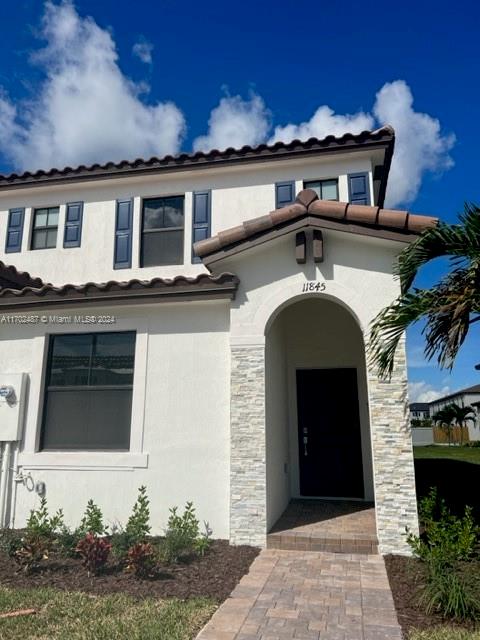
88,392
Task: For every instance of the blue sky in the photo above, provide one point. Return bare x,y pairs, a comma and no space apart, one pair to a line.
273,64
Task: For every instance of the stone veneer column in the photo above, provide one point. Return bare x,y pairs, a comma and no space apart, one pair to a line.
248,497
394,474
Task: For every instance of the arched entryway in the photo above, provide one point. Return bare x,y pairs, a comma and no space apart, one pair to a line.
317,423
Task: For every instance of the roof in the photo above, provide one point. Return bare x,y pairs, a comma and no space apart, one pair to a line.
419,406
11,278
474,389
158,289
380,138
342,216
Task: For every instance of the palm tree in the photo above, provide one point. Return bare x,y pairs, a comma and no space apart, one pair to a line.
462,415
444,417
449,308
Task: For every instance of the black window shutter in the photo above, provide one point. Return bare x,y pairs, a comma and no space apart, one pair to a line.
202,214
72,236
358,188
122,258
13,241
284,194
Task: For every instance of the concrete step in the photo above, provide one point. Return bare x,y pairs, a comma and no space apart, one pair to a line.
316,541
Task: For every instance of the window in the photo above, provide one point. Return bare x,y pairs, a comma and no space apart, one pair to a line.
162,231
88,392
325,189
45,226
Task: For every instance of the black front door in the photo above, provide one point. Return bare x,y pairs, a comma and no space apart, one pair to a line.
329,433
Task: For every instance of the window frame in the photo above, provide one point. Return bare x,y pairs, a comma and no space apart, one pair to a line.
322,180
167,230
33,229
46,388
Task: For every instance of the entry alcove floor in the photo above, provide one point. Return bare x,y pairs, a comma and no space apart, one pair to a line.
339,526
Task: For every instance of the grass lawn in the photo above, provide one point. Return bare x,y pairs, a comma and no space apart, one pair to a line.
63,615
466,454
444,633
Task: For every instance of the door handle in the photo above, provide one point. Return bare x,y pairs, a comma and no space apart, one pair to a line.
305,442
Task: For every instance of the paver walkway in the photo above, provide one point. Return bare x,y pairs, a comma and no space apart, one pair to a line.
311,596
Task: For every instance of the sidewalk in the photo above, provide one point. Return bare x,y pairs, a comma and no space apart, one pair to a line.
310,596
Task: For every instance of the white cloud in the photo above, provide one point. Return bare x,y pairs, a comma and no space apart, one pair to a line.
424,392
420,146
324,122
143,50
235,122
86,110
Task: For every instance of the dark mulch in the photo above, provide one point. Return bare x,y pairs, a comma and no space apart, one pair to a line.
406,575
213,575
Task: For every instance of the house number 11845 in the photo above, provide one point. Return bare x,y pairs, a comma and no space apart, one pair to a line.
313,286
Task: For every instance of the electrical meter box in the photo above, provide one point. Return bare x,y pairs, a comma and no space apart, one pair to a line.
12,405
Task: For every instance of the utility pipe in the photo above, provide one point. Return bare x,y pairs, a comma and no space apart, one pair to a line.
5,473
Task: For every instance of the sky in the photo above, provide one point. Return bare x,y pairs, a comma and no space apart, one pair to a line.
94,81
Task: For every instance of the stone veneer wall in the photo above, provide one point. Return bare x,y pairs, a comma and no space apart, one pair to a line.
394,474
248,498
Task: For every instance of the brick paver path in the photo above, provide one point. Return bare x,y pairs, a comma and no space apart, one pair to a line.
311,596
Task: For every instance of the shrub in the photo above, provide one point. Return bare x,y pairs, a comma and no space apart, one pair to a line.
136,530
94,551
141,559
449,593
138,525
447,546
92,521
40,536
42,524
182,536
447,538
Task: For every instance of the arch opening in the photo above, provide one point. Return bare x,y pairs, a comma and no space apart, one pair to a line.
318,441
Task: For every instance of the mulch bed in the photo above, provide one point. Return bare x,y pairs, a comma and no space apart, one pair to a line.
214,575
406,575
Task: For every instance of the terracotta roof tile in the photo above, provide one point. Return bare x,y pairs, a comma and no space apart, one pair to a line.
11,277
307,203
385,137
222,285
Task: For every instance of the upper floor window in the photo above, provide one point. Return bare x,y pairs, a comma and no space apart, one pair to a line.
45,227
88,391
325,189
162,231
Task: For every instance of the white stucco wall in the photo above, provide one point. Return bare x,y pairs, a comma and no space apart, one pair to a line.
238,194
180,418
276,424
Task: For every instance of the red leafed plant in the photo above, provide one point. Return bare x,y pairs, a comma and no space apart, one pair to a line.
141,559
94,551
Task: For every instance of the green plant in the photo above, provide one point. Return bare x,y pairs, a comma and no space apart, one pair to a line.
448,593
138,525
141,559
92,521
136,530
10,541
42,524
32,550
182,536
447,538
94,551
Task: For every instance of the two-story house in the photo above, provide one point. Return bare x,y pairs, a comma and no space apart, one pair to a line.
197,324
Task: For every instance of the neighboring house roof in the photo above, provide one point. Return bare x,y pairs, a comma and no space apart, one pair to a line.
381,138
11,278
474,389
157,289
419,406
342,216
